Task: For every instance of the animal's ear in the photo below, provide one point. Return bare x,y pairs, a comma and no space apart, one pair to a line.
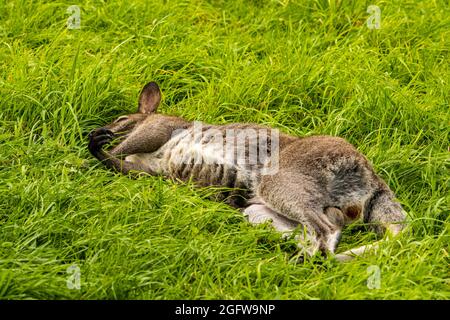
149,98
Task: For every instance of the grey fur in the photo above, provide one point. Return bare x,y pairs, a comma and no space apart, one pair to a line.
322,183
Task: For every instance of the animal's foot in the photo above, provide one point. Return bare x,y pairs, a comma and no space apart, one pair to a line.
98,138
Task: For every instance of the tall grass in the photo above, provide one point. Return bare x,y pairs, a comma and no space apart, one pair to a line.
306,67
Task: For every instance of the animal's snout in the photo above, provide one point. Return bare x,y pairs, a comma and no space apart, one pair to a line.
101,131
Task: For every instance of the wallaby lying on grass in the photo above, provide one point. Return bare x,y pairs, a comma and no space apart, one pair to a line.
313,186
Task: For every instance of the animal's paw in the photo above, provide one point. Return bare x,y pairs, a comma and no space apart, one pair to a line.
98,138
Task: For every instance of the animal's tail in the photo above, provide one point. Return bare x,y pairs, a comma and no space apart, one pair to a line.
384,215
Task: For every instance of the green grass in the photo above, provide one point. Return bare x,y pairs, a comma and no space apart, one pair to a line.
306,67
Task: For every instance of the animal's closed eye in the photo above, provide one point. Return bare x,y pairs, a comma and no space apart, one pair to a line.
122,118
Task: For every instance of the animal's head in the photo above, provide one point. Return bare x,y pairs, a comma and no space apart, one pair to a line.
138,128
149,100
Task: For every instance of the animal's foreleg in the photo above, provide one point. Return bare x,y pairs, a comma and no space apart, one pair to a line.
101,137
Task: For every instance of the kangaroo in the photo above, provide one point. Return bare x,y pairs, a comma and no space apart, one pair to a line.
307,187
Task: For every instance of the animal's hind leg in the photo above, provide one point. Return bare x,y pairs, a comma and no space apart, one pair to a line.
337,218
299,198
307,241
352,253
260,213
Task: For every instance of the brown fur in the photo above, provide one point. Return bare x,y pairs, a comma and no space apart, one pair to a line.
322,183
